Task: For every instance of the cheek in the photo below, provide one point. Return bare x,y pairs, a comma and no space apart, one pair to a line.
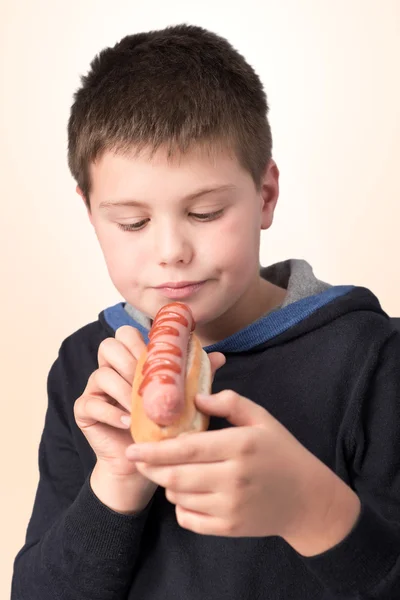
236,242
122,253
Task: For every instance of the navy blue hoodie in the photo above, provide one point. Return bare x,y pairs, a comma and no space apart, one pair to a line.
326,364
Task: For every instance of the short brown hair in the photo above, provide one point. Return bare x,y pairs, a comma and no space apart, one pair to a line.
175,87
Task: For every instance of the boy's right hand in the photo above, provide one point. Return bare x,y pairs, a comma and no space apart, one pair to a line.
107,398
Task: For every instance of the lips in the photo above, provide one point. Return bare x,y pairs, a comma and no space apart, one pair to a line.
178,284
181,289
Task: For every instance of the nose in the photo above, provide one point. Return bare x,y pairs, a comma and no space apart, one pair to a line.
173,246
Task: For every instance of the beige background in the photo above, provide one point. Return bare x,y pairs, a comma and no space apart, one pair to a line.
331,71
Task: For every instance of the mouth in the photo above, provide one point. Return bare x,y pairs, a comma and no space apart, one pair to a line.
180,289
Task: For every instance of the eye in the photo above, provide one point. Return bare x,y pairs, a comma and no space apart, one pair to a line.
133,226
211,216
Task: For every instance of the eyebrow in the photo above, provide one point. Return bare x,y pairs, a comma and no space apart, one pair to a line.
192,196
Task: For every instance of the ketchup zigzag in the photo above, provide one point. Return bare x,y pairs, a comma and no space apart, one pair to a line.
161,353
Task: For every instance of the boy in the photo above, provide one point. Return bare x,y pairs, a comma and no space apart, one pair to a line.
295,490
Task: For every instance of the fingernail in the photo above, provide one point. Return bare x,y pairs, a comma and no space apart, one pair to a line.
126,420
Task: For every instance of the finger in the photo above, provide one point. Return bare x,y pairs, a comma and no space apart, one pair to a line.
217,360
203,447
122,352
107,382
113,354
90,410
198,478
132,339
238,410
202,523
212,504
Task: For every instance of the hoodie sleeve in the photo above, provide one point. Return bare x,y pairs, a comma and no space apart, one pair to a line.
366,564
75,548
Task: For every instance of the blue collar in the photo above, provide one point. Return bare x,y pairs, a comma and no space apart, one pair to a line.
262,330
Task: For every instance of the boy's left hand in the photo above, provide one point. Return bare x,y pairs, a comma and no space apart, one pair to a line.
254,479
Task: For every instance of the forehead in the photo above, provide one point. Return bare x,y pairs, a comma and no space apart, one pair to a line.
146,174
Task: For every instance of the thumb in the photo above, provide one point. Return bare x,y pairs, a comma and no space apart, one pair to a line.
238,410
217,360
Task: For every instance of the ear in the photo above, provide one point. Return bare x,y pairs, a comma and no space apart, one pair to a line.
86,202
269,194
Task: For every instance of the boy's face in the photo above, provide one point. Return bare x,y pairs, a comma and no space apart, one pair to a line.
185,229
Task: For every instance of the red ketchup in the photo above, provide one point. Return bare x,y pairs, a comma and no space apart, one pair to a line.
166,363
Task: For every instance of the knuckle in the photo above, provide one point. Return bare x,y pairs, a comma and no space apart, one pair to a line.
97,377
228,528
171,479
246,446
191,453
97,381
81,405
82,411
239,478
181,517
105,347
91,382
228,395
78,406
87,406
170,496
233,529
231,398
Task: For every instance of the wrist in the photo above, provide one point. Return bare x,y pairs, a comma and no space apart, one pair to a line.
126,495
330,511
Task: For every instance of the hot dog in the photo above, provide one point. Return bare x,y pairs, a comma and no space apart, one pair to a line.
170,372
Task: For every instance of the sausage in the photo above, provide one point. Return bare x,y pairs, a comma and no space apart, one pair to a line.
164,371
171,371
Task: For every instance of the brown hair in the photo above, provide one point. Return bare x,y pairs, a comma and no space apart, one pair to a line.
175,88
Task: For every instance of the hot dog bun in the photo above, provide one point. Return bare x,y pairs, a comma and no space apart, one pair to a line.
198,379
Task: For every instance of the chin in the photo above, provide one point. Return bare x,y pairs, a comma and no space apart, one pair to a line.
206,314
